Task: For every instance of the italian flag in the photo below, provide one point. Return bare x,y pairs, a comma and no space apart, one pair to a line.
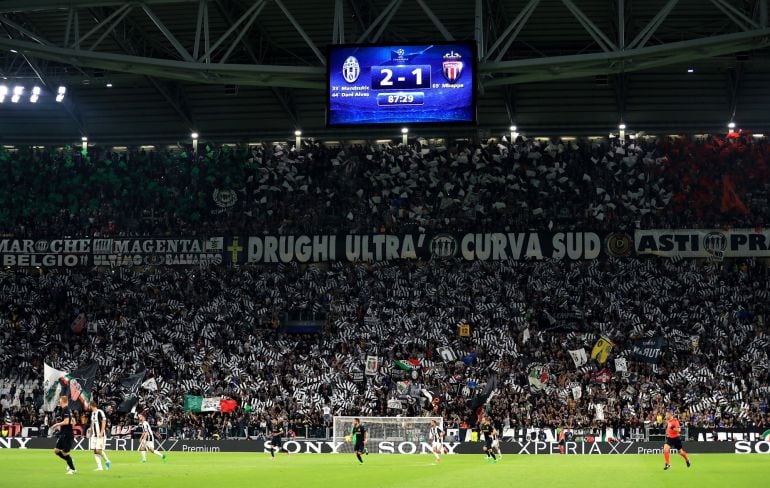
407,364
197,404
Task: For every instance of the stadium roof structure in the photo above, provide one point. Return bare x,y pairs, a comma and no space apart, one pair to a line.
254,69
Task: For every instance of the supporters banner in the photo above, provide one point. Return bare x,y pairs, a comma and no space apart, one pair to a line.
162,251
735,434
384,247
202,251
165,251
45,253
493,246
703,243
648,350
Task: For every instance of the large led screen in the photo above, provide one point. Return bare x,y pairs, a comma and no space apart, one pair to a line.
401,84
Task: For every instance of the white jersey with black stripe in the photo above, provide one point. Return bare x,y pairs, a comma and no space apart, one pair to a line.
97,416
146,428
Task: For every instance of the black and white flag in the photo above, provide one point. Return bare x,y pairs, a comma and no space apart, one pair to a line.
648,350
131,387
620,365
446,353
579,357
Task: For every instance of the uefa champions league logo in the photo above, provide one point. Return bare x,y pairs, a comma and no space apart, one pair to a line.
351,69
398,56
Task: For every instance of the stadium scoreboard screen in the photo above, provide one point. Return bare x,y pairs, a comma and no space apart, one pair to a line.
401,84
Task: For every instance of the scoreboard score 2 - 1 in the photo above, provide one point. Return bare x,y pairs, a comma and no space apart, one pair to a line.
401,84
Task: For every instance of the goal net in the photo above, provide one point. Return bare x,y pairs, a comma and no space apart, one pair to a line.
393,429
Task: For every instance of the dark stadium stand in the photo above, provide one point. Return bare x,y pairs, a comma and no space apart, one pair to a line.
712,181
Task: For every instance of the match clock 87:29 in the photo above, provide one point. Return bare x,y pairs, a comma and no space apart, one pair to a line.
400,77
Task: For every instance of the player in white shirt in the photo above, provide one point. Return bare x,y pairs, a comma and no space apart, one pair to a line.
327,410
436,436
147,441
98,435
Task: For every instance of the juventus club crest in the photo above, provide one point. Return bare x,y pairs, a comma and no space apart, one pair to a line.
452,66
351,69
443,246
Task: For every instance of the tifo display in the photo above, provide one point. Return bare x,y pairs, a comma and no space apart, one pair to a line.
401,84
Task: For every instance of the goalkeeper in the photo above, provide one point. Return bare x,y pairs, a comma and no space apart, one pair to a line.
360,438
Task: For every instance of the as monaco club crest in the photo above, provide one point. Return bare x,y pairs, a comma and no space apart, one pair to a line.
452,66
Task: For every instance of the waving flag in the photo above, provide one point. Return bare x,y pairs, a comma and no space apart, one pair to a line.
578,357
447,354
730,199
372,364
407,364
52,387
602,350
193,403
80,384
77,385
648,350
485,396
131,386
620,365
538,377
150,385
78,323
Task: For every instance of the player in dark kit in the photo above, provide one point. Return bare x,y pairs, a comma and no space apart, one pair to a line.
488,430
360,438
275,440
673,441
66,436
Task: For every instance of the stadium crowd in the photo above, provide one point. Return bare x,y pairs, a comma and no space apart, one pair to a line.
210,332
216,331
245,190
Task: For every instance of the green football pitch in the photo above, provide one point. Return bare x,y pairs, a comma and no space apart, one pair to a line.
37,468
